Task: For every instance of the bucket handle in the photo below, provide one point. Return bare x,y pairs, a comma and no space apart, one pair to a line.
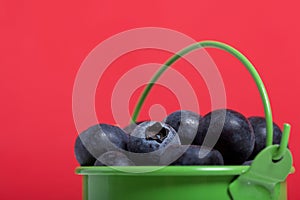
259,83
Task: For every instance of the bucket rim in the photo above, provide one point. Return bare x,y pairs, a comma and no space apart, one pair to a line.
163,171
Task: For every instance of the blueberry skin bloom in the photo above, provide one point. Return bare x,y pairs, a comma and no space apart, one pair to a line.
185,123
129,128
235,137
113,158
148,140
191,155
150,136
260,131
98,139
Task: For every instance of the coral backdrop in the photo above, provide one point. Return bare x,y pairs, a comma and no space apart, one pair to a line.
43,44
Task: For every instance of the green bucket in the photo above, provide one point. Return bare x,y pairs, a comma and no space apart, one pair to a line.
172,182
264,179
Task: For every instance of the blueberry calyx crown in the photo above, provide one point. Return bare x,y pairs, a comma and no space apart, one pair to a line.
156,132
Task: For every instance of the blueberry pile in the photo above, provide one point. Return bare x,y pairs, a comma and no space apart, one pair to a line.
221,137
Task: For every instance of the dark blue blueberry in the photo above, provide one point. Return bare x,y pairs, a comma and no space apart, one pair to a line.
129,128
185,123
233,133
150,137
98,139
191,155
260,132
113,158
248,162
83,156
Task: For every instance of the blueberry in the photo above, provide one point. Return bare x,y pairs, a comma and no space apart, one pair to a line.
150,137
260,131
113,158
191,155
129,128
83,156
96,140
234,134
248,162
185,123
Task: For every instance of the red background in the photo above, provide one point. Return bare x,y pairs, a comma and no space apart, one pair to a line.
43,43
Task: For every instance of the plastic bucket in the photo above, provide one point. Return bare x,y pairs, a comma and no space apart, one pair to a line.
193,182
172,182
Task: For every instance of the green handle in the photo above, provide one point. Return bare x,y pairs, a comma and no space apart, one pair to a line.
250,68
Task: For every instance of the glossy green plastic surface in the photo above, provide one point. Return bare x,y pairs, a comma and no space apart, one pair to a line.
163,171
264,176
172,182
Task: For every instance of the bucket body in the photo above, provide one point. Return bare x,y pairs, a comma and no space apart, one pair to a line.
171,182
